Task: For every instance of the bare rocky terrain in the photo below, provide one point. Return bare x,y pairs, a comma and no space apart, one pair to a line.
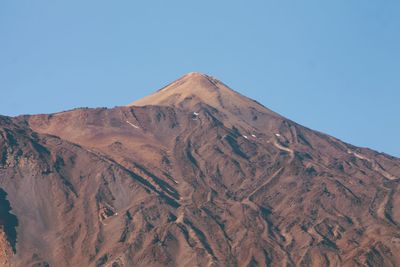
193,175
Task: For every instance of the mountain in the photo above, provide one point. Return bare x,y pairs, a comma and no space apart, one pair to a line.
192,175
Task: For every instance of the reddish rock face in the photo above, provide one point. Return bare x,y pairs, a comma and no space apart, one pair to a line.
193,175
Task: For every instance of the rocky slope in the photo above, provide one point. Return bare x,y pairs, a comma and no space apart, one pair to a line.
193,175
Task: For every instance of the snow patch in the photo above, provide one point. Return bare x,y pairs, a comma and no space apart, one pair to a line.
133,125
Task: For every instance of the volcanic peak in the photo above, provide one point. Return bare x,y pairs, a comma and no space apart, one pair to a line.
192,87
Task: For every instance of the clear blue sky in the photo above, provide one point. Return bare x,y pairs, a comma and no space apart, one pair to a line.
333,66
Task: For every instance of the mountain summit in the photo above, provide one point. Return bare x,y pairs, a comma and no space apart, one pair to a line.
194,89
189,90
193,175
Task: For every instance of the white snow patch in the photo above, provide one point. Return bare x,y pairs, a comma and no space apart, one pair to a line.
195,113
133,125
175,181
277,134
358,155
245,136
253,135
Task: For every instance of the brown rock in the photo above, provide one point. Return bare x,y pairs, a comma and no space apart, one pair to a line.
194,175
